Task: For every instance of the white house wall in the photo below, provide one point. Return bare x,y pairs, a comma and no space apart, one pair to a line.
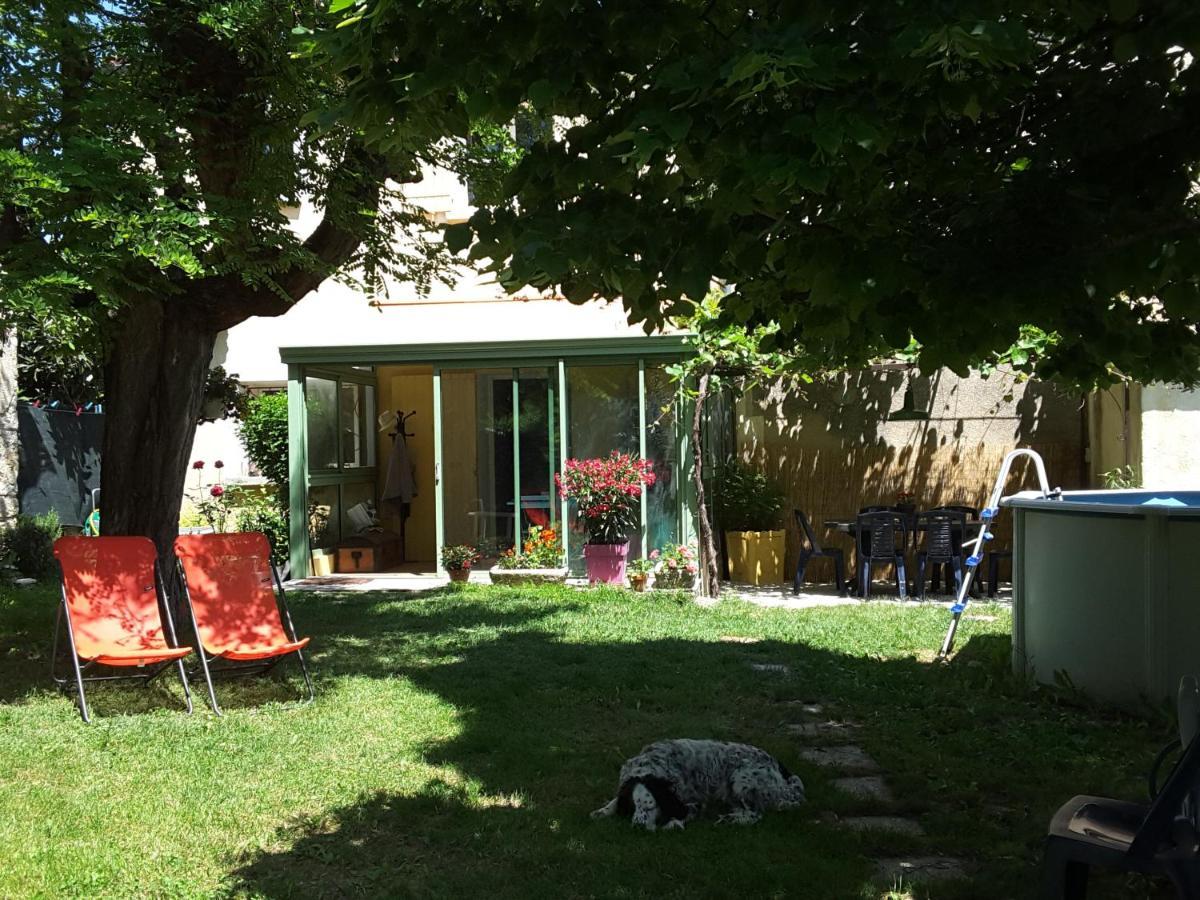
1170,437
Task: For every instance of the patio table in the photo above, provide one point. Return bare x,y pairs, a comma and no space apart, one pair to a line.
850,527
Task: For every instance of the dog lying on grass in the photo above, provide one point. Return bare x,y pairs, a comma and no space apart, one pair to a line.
671,782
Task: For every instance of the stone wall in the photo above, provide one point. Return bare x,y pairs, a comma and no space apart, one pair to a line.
9,441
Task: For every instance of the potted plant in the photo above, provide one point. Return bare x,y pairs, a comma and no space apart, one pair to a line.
457,561
639,572
319,539
539,561
607,494
675,568
750,507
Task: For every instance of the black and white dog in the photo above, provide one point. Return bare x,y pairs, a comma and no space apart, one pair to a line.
670,782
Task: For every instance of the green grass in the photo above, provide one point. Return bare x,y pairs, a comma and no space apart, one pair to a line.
460,738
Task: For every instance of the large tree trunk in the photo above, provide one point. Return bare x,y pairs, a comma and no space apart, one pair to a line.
154,387
710,572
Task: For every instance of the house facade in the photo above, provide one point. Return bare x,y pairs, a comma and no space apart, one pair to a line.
446,413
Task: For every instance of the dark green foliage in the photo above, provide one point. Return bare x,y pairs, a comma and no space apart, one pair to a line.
271,521
747,500
29,544
863,174
263,431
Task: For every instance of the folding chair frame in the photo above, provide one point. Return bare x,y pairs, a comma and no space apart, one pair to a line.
156,669
251,667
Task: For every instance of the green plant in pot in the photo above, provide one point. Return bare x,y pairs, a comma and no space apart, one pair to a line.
457,561
639,572
750,508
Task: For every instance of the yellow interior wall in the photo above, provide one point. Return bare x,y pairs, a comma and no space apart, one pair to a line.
1111,448
408,388
460,460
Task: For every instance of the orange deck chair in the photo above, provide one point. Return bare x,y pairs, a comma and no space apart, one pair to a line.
229,584
111,590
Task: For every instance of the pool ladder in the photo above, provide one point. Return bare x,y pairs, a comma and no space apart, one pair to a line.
987,516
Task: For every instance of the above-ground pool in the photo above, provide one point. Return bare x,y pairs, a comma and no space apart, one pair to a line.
1106,589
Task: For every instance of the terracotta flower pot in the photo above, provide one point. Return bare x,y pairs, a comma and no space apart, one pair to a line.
606,562
638,582
459,575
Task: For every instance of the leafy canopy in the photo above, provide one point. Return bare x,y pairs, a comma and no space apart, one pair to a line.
864,175
148,150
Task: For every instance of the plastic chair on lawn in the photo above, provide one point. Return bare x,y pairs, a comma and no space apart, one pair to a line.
944,531
882,538
230,583
1160,839
814,549
111,590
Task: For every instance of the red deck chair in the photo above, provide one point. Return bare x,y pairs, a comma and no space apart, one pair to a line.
110,600
227,580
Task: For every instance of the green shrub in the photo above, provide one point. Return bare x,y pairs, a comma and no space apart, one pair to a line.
264,433
267,518
30,544
747,500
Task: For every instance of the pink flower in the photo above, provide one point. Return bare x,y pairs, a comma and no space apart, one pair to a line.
654,554
216,490
671,564
691,568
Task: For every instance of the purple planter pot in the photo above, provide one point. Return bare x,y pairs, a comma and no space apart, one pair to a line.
606,562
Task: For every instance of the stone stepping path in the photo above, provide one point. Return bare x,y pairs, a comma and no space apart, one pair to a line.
862,781
847,757
920,868
865,787
836,730
777,668
890,824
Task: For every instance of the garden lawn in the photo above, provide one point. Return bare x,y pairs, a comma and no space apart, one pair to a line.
460,738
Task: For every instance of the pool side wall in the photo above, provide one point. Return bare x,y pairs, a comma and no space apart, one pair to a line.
1111,599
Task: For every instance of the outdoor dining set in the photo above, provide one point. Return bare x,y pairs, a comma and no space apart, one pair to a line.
891,535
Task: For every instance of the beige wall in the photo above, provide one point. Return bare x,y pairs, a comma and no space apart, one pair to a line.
1170,437
1114,430
410,388
833,449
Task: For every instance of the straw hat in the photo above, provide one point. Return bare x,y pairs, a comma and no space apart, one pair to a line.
388,420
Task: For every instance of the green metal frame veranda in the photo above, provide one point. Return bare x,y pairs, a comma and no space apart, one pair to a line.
346,365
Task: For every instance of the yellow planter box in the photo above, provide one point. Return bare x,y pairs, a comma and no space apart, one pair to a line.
756,557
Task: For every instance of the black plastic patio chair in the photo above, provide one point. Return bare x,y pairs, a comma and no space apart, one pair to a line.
882,538
994,557
1161,839
960,537
942,545
814,550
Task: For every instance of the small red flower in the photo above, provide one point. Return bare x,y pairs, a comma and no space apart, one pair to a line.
198,464
218,465
216,490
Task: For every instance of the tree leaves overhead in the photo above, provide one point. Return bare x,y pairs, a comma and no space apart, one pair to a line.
863,174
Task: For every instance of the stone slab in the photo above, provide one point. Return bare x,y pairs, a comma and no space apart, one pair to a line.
921,868
848,757
840,730
738,639
865,787
890,824
778,668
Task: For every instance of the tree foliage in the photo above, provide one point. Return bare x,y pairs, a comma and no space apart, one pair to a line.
148,152
862,174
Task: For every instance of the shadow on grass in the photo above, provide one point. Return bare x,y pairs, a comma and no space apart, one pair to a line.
546,716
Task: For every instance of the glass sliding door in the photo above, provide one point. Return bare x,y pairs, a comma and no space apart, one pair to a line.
663,500
603,415
477,459
536,448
